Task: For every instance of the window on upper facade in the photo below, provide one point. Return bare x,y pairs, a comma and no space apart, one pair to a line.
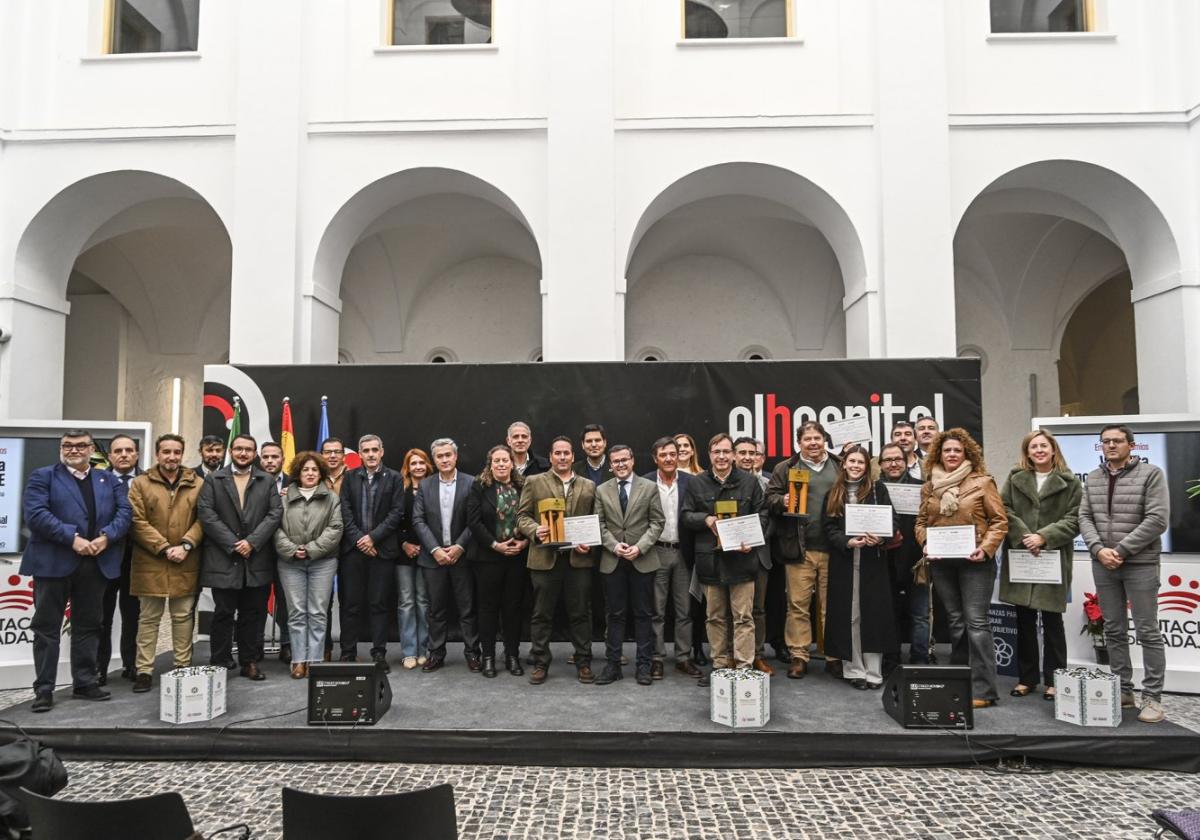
152,26
1043,15
420,22
737,18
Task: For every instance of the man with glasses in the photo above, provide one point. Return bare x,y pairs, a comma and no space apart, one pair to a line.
909,597
76,517
727,572
745,454
1124,512
333,450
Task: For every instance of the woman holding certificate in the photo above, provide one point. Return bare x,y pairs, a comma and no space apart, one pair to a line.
858,521
962,524
1042,498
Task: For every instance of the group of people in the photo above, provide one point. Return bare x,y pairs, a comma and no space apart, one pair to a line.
430,544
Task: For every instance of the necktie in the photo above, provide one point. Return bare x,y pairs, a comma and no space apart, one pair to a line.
124,480
624,495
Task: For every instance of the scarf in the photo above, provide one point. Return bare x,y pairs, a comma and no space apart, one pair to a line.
946,486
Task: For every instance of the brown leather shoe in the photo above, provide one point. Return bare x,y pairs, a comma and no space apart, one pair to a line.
251,672
688,668
760,664
297,670
656,670
980,703
797,669
585,673
538,676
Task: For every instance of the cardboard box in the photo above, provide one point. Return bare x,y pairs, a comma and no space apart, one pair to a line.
740,698
1086,697
189,695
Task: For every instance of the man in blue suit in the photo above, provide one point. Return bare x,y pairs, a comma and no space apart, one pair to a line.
76,517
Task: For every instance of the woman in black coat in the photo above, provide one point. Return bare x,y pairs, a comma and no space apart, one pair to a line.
499,562
859,627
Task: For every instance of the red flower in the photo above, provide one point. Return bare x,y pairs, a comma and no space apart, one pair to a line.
1091,607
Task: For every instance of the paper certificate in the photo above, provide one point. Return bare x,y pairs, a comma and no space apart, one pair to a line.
737,530
1023,567
951,541
906,498
875,520
582,530
850,430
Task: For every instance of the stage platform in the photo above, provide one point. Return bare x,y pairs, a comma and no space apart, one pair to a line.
456,717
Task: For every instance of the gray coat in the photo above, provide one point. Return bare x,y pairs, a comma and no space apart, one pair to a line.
1135,520
225,523
314,523
1052,514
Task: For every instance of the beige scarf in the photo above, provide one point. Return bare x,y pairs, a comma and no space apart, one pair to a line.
946,486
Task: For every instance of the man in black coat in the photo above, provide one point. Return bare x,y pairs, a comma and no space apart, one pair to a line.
519,440
122,456
239,510
911,599
372,510
270,458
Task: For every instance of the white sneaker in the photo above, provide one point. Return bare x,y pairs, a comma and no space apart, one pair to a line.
1152,712
410,662
1128,701
421,660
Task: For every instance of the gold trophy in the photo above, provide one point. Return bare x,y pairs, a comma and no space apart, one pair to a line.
552,512
797,506
725,509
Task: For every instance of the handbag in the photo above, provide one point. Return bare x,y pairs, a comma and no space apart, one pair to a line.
26,762
920,572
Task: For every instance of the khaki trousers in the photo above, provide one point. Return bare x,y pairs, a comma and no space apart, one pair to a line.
802,579
183,618
737,600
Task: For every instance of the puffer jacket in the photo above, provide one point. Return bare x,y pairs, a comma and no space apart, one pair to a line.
1128,511
979,504
315,524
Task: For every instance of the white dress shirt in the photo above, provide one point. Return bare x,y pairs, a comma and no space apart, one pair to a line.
446,498
669,496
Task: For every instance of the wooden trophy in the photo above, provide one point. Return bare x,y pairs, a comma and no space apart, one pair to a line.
551,513
797,507
725,509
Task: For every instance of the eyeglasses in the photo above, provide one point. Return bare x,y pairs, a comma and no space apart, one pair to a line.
891,461
620,460
1113,441
76,447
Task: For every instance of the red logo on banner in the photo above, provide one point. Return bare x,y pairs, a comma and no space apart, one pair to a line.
17,598
1179,600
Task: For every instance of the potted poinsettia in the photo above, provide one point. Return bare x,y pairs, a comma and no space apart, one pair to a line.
1094,626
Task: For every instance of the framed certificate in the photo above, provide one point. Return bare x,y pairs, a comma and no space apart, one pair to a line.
875,520
906,498
1023,567
950,542
582,530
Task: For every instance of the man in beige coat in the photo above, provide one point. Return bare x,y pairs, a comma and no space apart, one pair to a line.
631,520
165,567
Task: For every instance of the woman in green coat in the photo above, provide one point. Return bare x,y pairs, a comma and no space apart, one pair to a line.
1041,498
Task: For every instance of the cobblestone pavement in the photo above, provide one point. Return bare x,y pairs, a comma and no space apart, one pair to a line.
531,802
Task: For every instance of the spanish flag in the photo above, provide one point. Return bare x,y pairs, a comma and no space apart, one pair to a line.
287,435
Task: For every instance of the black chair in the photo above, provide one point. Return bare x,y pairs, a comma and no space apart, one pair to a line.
418,815
163,816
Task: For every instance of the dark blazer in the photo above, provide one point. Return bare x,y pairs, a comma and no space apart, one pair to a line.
387,516
534,465
484,524
909,551
225,523
687,537
717,567
427,518
406,533
127,542
581,467
54,513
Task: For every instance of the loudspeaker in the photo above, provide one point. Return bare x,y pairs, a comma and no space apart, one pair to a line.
930,697
347,693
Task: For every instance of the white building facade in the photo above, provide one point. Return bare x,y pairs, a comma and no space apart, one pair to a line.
389,181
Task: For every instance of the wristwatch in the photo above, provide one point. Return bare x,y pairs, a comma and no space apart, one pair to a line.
187,545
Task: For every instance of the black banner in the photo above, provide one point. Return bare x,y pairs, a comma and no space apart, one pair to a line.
411,405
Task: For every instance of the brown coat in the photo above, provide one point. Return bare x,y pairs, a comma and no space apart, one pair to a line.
162,518
979,504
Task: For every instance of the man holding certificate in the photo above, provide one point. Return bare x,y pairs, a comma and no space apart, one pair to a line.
727,570
910,594
962,524
1042,498
631,521
555,570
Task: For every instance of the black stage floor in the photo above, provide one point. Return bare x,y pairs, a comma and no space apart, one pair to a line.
456,717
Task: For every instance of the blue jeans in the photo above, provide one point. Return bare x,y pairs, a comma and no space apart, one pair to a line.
918,615
412,610
966,592
308,587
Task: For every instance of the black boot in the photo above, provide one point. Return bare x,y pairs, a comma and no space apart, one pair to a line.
698,656
489,666
513,663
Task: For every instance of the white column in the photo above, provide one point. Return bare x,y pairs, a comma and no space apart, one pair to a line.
32,360
1167,323
267,172
914,153
580,274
